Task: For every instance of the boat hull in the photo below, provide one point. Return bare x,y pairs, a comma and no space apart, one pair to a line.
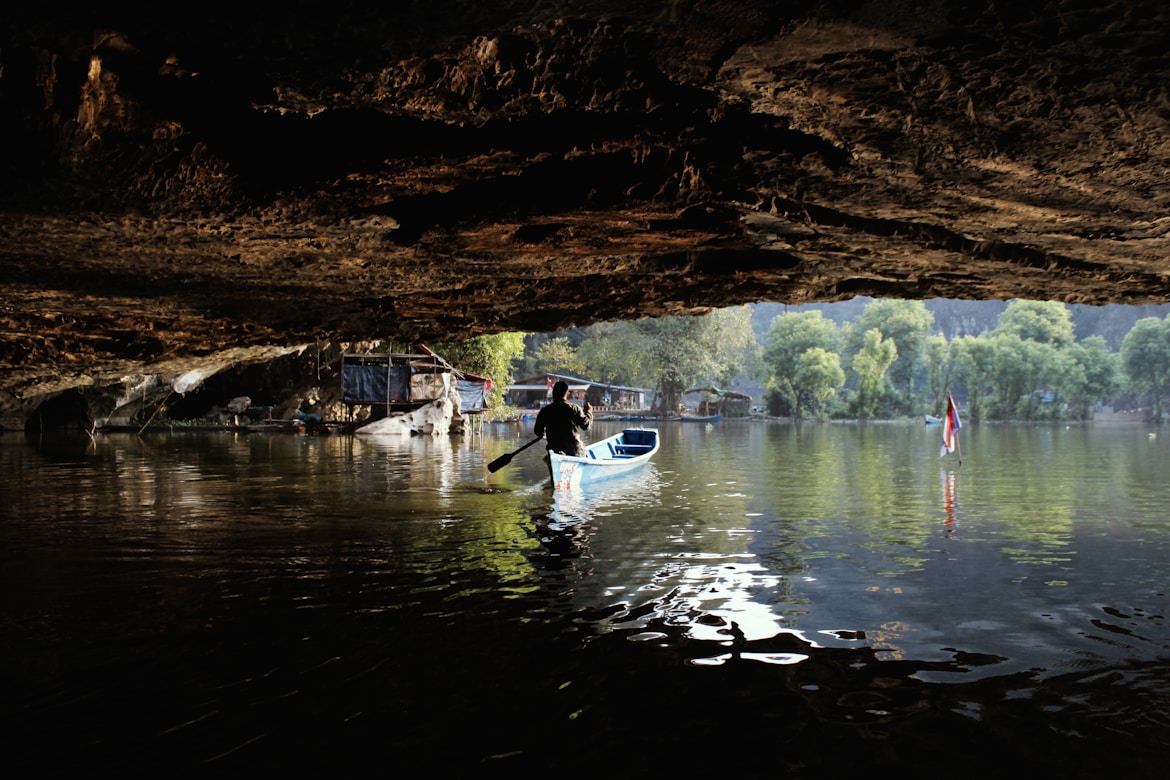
631,449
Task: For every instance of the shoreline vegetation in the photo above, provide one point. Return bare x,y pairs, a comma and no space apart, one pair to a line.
347,427
859,361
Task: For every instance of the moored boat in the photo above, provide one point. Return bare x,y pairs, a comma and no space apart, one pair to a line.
701,418
618,454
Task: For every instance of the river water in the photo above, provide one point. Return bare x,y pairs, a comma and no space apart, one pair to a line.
763,600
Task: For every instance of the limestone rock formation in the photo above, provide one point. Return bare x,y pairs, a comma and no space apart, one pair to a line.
432,419
180,184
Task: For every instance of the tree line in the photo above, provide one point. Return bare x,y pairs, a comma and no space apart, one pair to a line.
891,359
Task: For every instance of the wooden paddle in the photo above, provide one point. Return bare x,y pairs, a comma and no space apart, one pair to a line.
504,460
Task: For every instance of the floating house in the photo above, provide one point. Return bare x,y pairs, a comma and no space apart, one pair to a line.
404,382
535,391
713,401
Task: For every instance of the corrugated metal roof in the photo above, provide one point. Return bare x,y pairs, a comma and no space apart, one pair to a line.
545,387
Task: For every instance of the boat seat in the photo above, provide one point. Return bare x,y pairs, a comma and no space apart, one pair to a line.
630,450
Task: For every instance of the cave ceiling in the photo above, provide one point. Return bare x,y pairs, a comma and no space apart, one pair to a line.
184,183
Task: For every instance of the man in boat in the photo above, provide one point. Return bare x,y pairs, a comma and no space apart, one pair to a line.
559,422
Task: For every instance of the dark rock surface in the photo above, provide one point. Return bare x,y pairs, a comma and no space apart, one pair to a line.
190,186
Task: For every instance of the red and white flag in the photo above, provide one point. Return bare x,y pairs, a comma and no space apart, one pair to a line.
951,426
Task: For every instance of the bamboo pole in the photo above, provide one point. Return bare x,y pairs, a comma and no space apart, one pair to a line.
157,409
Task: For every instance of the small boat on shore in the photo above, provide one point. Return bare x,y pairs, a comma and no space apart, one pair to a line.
618,454
611,416
701,418
932,420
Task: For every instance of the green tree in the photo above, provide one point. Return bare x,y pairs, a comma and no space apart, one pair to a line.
558,356
1023,369
489,356
729,331
1099,379
908,324
1011,375
1045,322
1007,376
789,336
672,354
871,363
1036,359
974,358
940,368
1145,357
1064,376
612,353
819,374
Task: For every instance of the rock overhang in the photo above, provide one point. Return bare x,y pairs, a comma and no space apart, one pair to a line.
231,185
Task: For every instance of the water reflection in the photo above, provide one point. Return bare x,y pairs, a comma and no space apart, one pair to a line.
253,601
721,594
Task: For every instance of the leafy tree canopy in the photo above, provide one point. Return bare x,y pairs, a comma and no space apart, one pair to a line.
906,323
871,363
558,356
819,374
1047,322
489,356
790,336
1145,357
672,353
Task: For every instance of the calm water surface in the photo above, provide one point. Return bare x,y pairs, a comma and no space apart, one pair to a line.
763,600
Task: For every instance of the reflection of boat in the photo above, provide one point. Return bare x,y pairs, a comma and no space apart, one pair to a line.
931,420
618,454
706,418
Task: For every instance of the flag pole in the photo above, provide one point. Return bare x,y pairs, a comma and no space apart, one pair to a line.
951,427
958,446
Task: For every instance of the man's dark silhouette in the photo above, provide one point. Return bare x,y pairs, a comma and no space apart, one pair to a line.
560,421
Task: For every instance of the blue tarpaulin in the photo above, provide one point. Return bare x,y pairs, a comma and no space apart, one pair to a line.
375,384
472,395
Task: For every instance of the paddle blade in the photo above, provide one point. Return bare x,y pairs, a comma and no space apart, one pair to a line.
504,460
500,462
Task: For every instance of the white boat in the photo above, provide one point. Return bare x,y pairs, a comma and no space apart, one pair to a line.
618,454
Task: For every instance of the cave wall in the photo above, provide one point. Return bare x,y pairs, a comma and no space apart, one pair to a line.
208,187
